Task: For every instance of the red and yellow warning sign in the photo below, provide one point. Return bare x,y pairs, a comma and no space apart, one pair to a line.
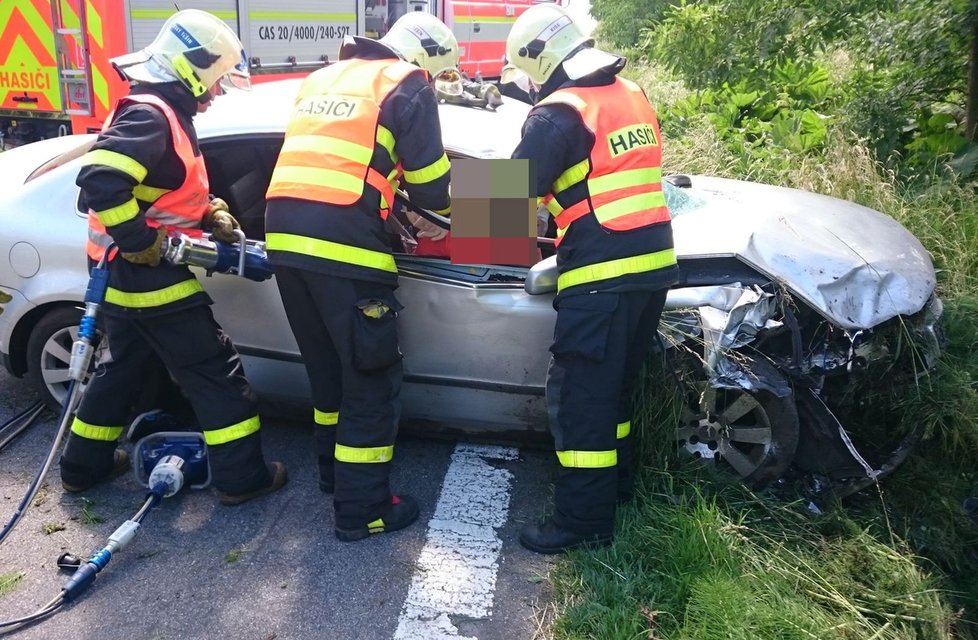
28,69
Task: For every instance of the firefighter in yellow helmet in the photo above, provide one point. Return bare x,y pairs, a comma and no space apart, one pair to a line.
143,179
360,128
594,140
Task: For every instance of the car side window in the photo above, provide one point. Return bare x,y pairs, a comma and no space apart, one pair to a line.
239,172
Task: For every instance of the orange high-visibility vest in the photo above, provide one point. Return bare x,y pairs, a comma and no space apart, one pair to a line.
181,209
333,132
623,173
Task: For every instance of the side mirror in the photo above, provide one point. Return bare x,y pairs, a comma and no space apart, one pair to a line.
542,277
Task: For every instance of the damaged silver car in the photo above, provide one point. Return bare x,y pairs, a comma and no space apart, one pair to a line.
787,300
788,303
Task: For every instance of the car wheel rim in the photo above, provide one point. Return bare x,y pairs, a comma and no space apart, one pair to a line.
55,358
727,425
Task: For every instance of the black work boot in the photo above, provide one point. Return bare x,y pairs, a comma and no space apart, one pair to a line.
402,512
278,477
74,480
547,537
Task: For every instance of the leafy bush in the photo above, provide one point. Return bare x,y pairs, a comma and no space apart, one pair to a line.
620,22
901,88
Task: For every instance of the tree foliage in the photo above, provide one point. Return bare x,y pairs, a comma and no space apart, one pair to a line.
892,72
621,22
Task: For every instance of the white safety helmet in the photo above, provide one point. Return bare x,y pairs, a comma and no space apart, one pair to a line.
193,47
423,40
546,36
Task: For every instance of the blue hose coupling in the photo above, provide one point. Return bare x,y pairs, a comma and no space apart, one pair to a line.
83,577
98,282
86,328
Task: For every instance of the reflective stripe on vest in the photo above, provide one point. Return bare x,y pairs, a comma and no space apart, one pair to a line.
181,208
623,173
233,432
95,432
616,268
333,133
330,251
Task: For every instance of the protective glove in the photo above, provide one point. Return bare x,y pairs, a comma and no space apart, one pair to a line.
426,229
150,256
220,222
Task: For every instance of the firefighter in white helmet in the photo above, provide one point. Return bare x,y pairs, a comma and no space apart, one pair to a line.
594,141
145,177
370,123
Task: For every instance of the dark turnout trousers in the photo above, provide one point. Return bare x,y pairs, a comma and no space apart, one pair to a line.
600,343
346,332
205,365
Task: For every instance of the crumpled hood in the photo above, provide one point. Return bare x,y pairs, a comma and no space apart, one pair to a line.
856,266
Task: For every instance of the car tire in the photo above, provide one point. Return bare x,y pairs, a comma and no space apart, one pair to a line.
753,432
49,353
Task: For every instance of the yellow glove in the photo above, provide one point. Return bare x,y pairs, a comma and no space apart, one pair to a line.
150,256
425,228
219,222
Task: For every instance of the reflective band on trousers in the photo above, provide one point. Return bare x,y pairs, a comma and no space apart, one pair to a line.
145,299
330,250
326,418
234,432
95,432
377,526
364,455
587,459
616,268
624,428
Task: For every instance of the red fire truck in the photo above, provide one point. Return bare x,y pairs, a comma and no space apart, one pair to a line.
55,76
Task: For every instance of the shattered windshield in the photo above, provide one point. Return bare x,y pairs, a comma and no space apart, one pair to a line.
680,199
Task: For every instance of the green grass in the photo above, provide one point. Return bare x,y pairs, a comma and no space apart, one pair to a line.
700,556
87,515
52,527
9,582
233,556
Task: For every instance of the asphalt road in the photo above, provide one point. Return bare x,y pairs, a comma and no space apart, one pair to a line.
272,569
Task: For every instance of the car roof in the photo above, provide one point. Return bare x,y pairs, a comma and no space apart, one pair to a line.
265,109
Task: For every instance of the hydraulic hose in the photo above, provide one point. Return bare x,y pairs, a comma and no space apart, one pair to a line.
19,423
39,477
9,626
85,574
81,357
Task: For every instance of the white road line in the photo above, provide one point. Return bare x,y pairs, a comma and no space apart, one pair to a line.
457,567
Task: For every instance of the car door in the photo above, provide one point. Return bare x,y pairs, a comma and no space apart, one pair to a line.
474,343
251,312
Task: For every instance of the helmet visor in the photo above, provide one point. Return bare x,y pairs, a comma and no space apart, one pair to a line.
235,80
449,82
511,73
238,77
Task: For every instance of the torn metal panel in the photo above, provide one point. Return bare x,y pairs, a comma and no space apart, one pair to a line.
729,317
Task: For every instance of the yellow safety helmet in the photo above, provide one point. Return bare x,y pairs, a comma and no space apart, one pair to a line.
195,48
423,40
546,36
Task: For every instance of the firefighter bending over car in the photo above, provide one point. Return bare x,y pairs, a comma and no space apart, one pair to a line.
145,177
594,139
360,127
